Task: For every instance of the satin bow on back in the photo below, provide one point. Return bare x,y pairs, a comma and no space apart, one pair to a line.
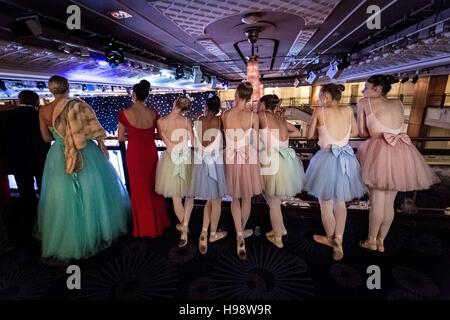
339,153
180,159
392,139
210,159
287,153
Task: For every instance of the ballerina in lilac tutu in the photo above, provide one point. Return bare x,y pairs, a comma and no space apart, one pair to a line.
208,172
333,174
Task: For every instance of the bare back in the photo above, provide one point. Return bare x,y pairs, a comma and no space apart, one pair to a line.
175,129
389,112
337,121
207,124
141,118
271,121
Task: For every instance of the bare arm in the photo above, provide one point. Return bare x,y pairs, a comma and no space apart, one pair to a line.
122,134
313,125
361,125
191,132
354,131
293,131
45,133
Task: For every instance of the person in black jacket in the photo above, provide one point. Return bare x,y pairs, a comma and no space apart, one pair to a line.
22,150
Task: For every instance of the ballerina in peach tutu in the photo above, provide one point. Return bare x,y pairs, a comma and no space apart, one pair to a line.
389,161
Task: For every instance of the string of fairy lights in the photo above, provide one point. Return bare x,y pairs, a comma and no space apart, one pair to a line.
107,107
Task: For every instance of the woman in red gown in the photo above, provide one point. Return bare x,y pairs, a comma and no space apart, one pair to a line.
137,124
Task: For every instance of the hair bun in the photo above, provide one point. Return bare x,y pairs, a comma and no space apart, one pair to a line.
341,87
391,79
145,85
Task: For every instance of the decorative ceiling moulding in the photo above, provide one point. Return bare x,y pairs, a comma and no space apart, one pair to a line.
302,39
215,50
193,17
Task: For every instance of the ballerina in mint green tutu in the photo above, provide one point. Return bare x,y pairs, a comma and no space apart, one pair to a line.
83,206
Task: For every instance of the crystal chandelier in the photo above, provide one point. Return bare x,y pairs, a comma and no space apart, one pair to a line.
253,76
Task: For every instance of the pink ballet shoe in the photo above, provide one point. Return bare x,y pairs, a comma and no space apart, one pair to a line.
380,244
283,233
241,247
275,240
248,233
338,251
184,237
215,236
323,240
369,245
203,242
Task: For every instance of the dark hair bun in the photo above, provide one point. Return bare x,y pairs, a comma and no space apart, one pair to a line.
213,104
145,85
271,101
142,90
383,81
335,90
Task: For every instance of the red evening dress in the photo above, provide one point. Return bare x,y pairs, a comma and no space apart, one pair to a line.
149,209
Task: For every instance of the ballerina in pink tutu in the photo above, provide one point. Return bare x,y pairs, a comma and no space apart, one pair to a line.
389,160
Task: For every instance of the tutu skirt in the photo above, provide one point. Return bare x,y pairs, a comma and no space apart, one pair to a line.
335,174
208,177
392,162
284,175
173,174
80,214
243,173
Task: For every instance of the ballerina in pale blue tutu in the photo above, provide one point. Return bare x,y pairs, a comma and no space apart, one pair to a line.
333,174
208,173
281,169
83,205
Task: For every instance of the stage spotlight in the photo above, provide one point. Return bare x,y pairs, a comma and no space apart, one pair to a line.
415,79
113,53
40,85
213,82
179,73
333,69
296,82
197,74
404,79
83,87
226,84
312,76
27,26
64,48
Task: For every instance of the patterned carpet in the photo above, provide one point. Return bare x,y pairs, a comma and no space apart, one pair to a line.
416,265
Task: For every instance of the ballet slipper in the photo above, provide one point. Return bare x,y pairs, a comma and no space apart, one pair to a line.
369,245
248,233
283,233
203,242
338,251
275,240
241,246
184,237
323,240
215,236
380,244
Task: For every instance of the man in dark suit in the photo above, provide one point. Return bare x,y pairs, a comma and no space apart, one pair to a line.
22,150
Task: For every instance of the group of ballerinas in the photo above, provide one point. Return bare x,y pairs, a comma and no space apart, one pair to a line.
84,206
258,160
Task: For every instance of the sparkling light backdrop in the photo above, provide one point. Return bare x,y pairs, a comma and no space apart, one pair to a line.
108,107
